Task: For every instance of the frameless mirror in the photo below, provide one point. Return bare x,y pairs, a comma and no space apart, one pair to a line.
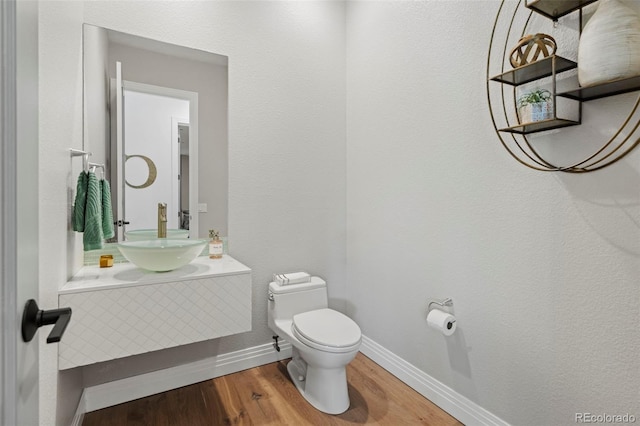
155,114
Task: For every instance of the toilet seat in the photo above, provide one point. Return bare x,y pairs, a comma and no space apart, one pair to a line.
327,330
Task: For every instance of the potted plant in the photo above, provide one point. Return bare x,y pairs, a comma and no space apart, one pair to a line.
535,106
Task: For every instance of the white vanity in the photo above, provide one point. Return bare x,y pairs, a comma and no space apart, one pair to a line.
124,310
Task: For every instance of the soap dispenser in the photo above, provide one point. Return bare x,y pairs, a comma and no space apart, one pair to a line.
215,245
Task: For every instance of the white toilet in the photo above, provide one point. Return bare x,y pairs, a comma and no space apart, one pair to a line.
324,341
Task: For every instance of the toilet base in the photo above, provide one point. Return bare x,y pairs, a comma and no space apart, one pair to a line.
324,388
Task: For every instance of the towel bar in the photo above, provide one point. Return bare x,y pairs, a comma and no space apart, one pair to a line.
93,166
85,157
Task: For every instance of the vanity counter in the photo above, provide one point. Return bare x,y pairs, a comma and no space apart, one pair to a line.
124,310
93,278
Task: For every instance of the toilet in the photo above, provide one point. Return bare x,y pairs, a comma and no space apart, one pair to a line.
324,341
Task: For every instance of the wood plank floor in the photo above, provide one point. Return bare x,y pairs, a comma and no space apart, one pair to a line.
266,396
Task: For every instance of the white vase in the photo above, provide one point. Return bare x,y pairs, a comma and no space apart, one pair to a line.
609,46
531,113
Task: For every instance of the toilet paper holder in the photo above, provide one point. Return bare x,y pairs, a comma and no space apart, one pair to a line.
440,302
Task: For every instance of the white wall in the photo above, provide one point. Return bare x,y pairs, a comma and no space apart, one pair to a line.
542,268
96,86
286,149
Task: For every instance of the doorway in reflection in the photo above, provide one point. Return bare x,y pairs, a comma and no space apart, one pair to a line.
154,157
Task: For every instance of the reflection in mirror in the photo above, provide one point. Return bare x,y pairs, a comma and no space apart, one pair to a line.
156,115
151,121
183,190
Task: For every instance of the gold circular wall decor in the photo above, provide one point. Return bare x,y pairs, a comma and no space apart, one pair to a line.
153,172
623,140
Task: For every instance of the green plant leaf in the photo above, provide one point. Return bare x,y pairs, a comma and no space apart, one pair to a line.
535,97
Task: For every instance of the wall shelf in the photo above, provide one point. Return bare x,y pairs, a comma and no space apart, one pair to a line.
554,9
619,144
549,66
540,126
603,90
535,71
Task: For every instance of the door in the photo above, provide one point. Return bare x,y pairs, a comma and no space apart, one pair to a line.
19,193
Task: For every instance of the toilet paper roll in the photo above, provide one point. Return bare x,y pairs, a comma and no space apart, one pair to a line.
442,321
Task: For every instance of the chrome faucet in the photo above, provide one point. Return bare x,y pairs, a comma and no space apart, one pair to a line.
162,220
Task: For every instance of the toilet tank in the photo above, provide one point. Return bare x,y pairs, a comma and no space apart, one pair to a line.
285,301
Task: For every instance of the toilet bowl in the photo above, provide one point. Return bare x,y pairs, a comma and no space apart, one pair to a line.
324,341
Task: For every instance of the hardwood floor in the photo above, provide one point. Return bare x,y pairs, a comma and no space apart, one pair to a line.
266,396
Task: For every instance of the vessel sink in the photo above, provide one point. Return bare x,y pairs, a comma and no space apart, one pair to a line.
161,254
152,234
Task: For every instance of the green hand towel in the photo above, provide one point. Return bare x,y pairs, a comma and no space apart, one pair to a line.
80,204
107,213
93,235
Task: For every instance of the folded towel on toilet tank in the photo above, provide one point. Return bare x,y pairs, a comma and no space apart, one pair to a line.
292,278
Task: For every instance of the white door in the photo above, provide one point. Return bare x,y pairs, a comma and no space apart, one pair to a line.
19,193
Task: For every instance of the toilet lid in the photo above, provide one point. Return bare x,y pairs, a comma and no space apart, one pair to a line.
327,327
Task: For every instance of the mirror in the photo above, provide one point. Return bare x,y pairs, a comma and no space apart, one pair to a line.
155,114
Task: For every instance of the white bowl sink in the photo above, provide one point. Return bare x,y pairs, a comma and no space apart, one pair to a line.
161,254
152,234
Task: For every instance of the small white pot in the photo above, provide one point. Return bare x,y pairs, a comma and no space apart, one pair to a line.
535,112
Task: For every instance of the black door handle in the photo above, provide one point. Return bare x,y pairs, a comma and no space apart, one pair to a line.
33,318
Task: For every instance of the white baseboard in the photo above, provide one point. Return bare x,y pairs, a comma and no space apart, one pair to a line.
124,390
459,406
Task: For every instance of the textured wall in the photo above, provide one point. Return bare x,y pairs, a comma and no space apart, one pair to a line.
543,268
286,143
